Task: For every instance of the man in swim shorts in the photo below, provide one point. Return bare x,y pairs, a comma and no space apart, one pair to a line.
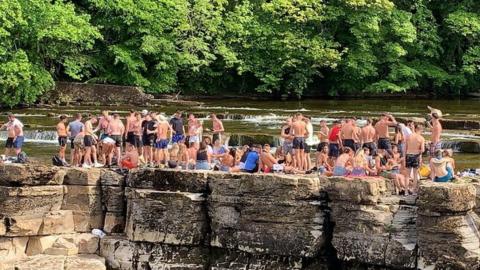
177,127
161,145
217,128
346,133
437,129
62,136
287,136
115,130
334,141
299,129
15,135
415,146
368,137
383,134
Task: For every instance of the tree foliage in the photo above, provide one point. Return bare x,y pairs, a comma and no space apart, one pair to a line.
291,47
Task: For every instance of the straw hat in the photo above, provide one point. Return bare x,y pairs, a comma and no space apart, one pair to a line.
435,111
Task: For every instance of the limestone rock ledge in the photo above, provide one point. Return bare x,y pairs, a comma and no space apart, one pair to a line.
168,219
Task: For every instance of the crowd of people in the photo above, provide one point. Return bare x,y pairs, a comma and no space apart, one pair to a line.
344,149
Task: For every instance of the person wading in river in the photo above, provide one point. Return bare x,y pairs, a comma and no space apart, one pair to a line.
415,146
383,133
62,136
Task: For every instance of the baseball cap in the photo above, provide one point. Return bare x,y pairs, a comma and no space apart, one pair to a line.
144,112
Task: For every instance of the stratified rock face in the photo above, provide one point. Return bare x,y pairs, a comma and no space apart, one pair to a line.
177,218
447,227
371,226
60,262
266,214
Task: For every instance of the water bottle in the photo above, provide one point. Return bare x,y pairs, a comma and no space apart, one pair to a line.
99,233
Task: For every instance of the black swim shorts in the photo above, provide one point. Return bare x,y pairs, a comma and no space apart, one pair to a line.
131,138
9,143
299,143
333,150
321,146
412,161
88,141
117,139
349,143
384,143
62,141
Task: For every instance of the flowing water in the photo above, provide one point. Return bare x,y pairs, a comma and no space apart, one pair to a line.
249,121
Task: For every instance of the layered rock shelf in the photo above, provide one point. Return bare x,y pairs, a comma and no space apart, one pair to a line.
167,219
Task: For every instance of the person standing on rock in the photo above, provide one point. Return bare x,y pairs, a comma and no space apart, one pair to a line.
129,128
62,136
73,129
334,142
415,146
89,141
437,129
368,137
383,133
15,135
287,137
299,132
346,133
161,144
115,130
103,124
194,127
178,128
217,128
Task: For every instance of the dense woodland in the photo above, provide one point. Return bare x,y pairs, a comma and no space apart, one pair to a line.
279,47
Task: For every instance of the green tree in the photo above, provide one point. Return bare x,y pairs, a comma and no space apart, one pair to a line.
40,40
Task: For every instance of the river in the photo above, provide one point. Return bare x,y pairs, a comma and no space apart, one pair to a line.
255,120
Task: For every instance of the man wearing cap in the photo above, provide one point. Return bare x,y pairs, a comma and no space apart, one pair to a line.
178,129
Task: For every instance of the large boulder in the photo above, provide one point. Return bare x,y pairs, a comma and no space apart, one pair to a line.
30,200
438,198
55,222
177,218
86,204
83,177
266,214
168,180
30,175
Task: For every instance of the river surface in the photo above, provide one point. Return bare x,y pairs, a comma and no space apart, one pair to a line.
247,121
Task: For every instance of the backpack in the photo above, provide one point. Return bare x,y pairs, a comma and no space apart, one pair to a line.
21,158
57,161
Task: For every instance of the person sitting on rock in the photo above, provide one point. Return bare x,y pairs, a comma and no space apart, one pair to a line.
343,163
440,167
130,159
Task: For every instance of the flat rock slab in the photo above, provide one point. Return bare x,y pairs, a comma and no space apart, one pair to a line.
54,222
56,262
438,198
168,180
30,200
358,191
111,178
177,218
30,175
12,248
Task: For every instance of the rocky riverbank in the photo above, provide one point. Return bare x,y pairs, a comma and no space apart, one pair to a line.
165,219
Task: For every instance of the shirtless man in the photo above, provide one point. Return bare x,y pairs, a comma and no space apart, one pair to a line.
437,129
299,132
177,127
129,129
415,146
164,133
15,135
266,159
383,133
115,130
217,127
89,142
356,136
346,134
194,127
368,137
62,136
103,124
287,136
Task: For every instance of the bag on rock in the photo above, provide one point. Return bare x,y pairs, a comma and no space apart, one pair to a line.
21,158
57,161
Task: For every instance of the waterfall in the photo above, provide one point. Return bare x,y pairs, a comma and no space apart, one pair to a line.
37,136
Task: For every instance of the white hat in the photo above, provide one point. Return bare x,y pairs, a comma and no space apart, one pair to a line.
162,117
436,111
144,112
